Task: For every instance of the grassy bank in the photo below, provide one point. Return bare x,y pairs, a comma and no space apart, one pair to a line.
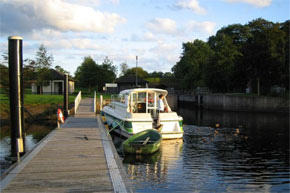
31,100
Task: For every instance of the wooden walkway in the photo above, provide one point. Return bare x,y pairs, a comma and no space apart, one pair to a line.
79,157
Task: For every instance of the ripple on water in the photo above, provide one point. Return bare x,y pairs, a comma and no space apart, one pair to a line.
210,160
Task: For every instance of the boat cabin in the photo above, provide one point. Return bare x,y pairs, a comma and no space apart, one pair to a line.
142,100
135,110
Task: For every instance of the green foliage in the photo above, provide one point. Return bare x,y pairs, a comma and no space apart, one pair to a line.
156,74
264,53
29,70
92,75
124,67
192,63
60,69
33,99
4,79
107,73
236,57
140,72
42,60
41,66
4,74
222,63
86,74
154,80
285,67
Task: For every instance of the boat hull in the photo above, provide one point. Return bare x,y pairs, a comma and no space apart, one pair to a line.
144,142
128,128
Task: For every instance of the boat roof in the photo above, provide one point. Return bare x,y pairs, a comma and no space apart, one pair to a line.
128,91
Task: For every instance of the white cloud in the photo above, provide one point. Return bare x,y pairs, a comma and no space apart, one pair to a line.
148,36
47,34
257,3
162,25
192,5
163,48
167,54
86,2
116,2
57,14
204,27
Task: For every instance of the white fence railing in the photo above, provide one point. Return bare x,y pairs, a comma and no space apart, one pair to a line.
78,100
95,102
101,102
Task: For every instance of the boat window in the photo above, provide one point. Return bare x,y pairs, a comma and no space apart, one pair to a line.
151,100
141,97
122,98
133,104
138,102
141,102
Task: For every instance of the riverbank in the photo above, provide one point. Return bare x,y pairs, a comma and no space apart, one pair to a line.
37,108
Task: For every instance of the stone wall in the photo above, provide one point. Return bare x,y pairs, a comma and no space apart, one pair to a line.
238,103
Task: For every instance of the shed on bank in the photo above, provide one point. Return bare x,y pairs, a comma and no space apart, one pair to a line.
54,84
129,82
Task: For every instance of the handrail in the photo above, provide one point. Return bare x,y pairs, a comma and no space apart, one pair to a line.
95,100
101,102
78,100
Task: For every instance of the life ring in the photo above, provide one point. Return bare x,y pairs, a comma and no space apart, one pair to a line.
60,116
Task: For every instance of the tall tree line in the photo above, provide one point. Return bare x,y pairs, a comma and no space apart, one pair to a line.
255,55
92,75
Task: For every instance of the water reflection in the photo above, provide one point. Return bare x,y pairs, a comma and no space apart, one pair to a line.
34,133
153,170
249,152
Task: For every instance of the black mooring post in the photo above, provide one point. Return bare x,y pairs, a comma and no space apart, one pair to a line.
65,96
16,95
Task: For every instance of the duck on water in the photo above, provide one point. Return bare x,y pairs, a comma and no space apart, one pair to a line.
135,110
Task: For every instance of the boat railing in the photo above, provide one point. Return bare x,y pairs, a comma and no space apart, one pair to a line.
114,97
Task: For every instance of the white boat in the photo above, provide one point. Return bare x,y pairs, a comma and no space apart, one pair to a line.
134,110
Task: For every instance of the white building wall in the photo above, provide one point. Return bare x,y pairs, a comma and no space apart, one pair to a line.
53,87
47,88
33,88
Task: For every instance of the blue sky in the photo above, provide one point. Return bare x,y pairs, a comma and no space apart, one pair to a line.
121,29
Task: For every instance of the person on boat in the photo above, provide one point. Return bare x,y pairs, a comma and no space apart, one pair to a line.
160,109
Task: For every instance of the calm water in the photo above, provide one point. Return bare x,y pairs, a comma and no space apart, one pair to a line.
34,133
249,152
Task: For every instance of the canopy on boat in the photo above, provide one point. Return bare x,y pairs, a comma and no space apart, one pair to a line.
161,91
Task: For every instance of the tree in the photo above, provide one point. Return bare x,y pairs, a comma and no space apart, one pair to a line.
5,58
123,67
42,64
285,68
107,73
221,67
90,74
4,78
156,74
86,74
168,75
140,72
60,69
264,54
190,68
4,73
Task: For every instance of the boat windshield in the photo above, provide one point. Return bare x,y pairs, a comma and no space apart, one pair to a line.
144,102
122,98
